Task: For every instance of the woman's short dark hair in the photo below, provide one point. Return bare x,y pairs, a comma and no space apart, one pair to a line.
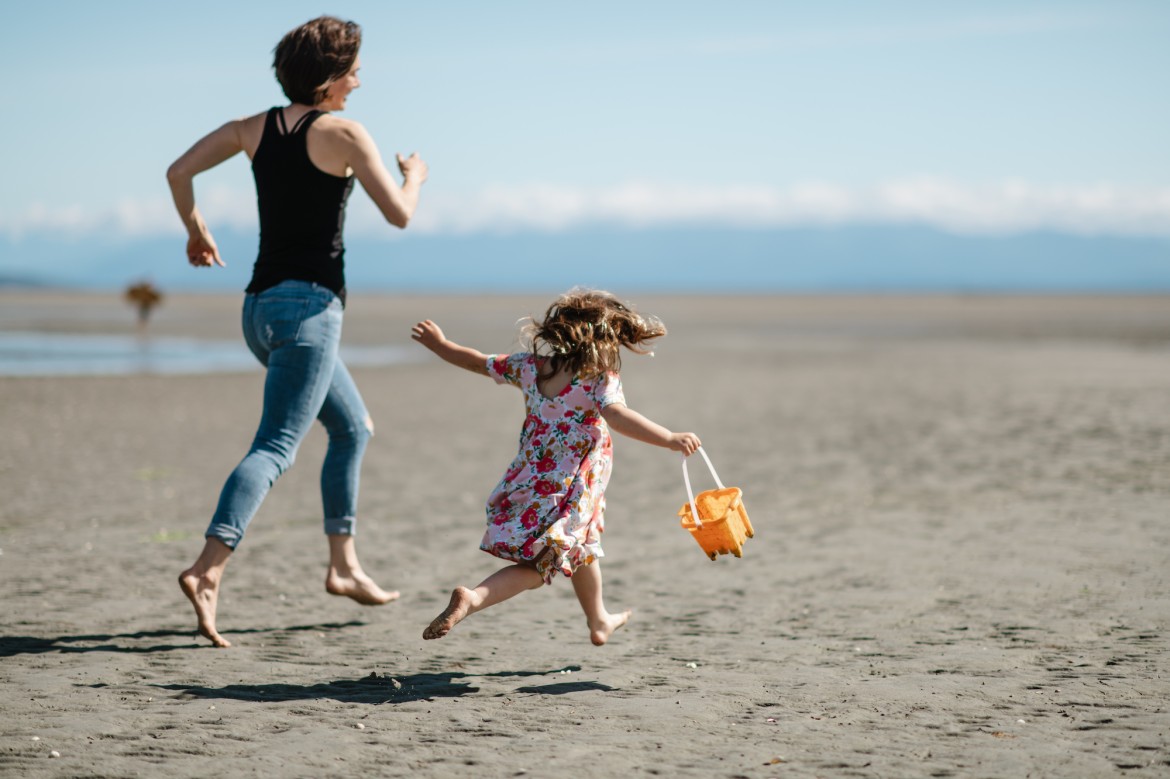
308,59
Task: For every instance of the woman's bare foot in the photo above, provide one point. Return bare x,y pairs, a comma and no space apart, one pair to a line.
599,634
359,587
461,601
203,592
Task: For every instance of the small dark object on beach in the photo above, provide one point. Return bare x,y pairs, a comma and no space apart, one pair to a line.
144,296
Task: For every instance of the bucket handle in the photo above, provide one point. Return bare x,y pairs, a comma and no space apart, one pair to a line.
687,481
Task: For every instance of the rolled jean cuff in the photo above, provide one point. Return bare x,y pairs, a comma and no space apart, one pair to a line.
341,526
229,535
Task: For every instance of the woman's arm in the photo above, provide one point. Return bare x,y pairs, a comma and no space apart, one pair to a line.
630,423
209,151
396,203
429,335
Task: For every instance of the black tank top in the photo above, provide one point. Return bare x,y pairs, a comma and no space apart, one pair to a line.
302,210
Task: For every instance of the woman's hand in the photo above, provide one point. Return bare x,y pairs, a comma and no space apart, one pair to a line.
201,249
687,443
413,168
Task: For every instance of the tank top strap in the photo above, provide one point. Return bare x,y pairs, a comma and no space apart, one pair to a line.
272,122
304,122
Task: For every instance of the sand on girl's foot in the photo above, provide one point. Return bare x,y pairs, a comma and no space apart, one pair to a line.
203,594
452,615
612,622
360,588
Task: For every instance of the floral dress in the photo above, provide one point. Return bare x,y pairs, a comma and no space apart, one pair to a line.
549,507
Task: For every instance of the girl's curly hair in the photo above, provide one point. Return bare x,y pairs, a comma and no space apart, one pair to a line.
583,331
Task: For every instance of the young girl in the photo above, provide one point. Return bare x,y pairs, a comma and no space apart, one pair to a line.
547,513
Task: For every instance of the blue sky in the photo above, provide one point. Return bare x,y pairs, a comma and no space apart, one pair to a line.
987,117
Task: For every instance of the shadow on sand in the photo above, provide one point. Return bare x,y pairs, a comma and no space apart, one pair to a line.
380,689
10,646
563,688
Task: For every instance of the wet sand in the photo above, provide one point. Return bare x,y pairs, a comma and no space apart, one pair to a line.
961,564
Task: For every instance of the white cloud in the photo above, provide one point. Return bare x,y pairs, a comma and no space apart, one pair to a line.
1007,207
129,217
1011,206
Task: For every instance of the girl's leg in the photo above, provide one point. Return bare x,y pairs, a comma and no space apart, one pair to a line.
501,585
350,428
587,584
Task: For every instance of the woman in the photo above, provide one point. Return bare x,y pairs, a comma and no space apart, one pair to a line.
304,160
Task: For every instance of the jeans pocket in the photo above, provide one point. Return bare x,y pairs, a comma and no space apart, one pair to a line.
322,319
281,319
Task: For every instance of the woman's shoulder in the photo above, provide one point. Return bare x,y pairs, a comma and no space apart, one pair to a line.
257,120
341,128
250,129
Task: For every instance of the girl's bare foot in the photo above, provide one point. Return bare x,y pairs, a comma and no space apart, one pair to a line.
358,586
203,592
600,633
461,601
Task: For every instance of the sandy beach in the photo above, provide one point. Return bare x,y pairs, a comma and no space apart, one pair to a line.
961,565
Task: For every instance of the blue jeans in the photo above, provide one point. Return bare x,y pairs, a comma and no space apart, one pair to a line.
294,329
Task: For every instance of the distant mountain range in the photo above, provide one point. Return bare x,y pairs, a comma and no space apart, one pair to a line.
838,259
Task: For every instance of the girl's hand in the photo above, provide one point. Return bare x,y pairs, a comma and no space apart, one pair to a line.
431,336
202,251
428,334
687,443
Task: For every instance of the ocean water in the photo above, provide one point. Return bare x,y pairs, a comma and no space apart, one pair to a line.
853,258
59,354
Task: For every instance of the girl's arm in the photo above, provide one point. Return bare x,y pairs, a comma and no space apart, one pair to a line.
630,423
429,335
209,151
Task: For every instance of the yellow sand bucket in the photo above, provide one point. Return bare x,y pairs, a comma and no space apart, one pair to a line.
716,518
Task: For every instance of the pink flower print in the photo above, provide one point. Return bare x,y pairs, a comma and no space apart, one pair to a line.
529,518
545,464
528,550
563,427
545,487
